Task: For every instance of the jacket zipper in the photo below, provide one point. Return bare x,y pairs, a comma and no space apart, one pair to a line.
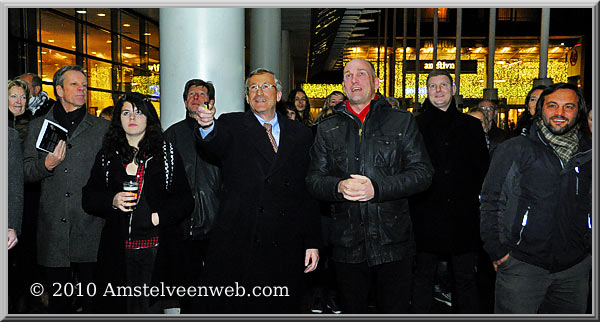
577,181
139,197
523,224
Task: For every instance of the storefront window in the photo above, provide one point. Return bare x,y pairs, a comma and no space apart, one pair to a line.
130,53
57,31
99,74
130,26
98,101
99,17
151,35
98,43
53,60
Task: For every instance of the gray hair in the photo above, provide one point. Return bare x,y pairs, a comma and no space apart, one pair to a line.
259,71
59,76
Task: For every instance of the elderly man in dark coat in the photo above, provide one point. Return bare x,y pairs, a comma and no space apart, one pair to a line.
446,216
267,230
67,238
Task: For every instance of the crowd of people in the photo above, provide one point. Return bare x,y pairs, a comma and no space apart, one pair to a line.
363,208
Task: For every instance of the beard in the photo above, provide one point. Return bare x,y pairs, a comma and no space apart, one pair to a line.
559,130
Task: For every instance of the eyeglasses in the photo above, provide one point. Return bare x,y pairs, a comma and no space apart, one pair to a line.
265,87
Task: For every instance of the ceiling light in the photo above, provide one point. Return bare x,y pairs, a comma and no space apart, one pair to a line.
147,34
50,40
128,47
81,12
101,15
126,25
109,41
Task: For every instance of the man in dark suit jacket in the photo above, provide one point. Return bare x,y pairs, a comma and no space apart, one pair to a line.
267,226
446,216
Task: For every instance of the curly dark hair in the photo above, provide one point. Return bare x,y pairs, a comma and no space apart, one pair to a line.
115,141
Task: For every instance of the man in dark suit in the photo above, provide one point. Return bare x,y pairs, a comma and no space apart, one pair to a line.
67,238
267,225
446,216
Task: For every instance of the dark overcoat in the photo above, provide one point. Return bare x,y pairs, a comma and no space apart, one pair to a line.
266,220
65,232
446,216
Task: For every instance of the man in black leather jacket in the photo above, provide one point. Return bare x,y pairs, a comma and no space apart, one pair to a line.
366,160
204,177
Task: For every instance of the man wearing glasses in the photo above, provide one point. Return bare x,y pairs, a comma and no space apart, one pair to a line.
267,230
495,134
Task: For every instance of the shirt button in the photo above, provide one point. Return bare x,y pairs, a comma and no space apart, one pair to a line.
446,171
63,220
68,194
282,212
261,210
66,170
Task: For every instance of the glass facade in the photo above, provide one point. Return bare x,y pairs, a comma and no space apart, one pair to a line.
516,66
118,48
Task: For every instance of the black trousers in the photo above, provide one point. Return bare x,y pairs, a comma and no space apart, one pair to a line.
140,265
59,281
194,255
465,296
392,286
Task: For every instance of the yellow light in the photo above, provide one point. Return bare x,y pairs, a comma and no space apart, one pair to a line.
126,25
147,34
50,40
109,41
128,47
81,12
101,15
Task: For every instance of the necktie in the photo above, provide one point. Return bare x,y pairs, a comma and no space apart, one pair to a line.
270,134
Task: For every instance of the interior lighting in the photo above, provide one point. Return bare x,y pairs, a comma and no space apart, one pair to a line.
50,40
101,15
128,47
126,25
81,12
109,41
147,34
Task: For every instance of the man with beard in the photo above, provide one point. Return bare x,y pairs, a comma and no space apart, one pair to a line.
536,206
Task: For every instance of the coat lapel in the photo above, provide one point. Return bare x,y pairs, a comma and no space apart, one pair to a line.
286,143
85,123
257,135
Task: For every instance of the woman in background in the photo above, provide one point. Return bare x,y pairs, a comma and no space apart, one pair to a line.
524,122
18,115
333,99
137,235
299,98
